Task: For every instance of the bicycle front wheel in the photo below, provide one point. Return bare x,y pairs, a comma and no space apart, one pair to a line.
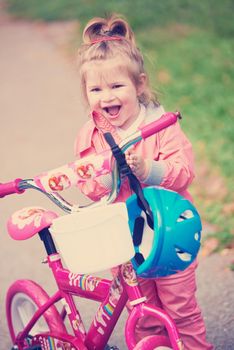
24,297
154,342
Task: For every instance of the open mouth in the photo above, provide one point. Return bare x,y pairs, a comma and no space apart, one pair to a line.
113,111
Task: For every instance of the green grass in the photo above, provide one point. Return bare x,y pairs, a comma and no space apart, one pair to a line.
189,50
194,70
210,14
199,80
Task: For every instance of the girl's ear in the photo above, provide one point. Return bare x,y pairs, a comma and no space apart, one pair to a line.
141,84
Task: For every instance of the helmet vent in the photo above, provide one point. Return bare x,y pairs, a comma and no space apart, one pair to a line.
138,230
187,214
184,256
197,236
147,238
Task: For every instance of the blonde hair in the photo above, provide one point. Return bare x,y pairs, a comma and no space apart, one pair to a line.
97,47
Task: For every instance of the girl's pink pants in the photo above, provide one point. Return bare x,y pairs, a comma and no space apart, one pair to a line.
176,295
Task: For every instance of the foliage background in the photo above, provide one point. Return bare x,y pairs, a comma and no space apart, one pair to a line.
188,47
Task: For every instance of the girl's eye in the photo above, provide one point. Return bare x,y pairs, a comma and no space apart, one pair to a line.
96,89
116,86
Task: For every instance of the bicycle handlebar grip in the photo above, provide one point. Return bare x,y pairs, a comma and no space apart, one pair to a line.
10,188
163,122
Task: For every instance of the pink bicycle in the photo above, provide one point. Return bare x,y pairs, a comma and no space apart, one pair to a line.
33,318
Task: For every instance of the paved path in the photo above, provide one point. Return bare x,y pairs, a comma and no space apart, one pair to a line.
40,114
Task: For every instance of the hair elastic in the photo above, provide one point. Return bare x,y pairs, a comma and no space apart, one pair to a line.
106,38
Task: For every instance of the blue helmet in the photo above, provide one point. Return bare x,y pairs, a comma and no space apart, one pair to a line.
173,243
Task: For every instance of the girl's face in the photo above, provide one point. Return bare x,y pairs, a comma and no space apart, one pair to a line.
110,90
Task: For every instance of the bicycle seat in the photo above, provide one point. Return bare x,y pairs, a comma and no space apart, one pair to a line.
26,222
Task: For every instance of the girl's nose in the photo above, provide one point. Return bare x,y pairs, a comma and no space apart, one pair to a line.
108,96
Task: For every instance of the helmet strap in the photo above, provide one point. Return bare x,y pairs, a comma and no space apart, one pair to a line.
125,170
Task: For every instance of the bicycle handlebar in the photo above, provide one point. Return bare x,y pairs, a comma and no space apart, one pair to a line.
166,120
10,188
85,169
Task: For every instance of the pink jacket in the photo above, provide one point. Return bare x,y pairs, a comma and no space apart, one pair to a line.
170,148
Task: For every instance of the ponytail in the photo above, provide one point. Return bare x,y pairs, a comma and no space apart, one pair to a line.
115,25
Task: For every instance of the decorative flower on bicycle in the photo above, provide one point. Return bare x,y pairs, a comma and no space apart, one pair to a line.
27,216
59,182
86,171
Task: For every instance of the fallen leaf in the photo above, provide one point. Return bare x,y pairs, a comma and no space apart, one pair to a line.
209,246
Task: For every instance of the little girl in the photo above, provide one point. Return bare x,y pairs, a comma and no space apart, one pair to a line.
115,84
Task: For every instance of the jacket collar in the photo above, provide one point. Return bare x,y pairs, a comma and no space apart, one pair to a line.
152,113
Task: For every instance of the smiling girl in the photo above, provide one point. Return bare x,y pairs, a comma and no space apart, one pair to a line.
115,84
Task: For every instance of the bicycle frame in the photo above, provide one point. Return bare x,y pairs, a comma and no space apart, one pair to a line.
111,294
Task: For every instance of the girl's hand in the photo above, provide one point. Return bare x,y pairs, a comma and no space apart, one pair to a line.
139,165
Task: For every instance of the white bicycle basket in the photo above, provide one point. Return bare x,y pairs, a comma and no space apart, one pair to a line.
95,239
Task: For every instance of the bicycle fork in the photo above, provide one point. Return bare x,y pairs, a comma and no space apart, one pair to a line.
139,308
